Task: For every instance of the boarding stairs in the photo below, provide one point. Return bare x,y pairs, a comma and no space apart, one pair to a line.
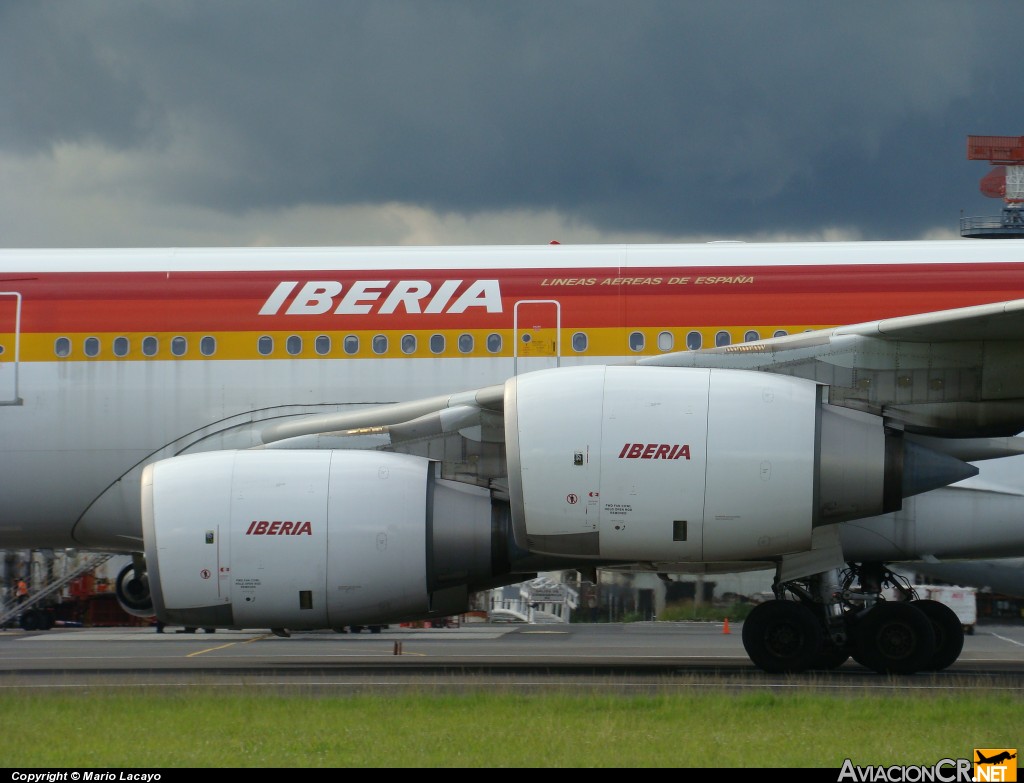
13,609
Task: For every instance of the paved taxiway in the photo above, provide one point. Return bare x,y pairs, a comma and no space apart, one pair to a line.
603,655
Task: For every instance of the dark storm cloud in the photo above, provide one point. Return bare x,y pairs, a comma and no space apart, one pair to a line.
723,118
61,83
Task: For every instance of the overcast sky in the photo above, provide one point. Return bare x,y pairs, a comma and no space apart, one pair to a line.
321,122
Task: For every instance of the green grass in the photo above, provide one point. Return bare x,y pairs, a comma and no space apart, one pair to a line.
226,728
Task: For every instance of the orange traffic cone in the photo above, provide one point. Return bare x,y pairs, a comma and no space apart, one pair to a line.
725,627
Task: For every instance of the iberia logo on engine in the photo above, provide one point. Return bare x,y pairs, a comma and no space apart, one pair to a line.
278,527
655,451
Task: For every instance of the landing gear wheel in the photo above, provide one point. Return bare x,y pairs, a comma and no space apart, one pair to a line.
895,637
782,636
949,633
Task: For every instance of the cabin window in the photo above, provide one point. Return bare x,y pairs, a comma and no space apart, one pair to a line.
465,343
666,341
750,335
293,345
722,339
494,343
636,341
265,345
150,345
579,342
351,344
408,343
208,345
92,346
178,346
437,343
62,347
694,341
780,333
121,346
322,344
380,343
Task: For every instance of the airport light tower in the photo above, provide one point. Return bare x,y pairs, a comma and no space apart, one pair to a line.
1005,181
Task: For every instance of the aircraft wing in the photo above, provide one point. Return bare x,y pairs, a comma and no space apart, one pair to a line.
953,373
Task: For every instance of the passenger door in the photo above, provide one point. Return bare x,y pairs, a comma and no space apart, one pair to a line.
537,326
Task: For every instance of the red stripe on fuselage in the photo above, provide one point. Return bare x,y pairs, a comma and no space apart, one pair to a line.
231,301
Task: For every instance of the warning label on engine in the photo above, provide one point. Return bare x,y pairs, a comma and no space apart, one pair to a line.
618,509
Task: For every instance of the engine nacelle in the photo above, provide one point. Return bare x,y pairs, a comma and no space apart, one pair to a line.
312,539
634,463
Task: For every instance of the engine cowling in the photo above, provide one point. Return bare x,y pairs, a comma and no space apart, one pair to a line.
636,463
313,539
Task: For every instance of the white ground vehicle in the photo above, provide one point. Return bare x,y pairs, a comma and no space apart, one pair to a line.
962,600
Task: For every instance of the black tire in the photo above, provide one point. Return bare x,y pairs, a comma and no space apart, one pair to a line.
895,637
376,628
949,633
45,620
782,637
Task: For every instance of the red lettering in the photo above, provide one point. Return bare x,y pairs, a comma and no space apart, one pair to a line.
279,527
654,451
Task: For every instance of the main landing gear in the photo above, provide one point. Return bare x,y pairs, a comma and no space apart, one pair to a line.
820,622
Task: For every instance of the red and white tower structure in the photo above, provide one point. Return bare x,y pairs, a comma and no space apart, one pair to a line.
1006,181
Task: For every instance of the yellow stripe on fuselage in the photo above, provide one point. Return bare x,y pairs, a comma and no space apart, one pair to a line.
612,341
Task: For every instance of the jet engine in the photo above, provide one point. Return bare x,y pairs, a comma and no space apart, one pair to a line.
677,465
313,539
